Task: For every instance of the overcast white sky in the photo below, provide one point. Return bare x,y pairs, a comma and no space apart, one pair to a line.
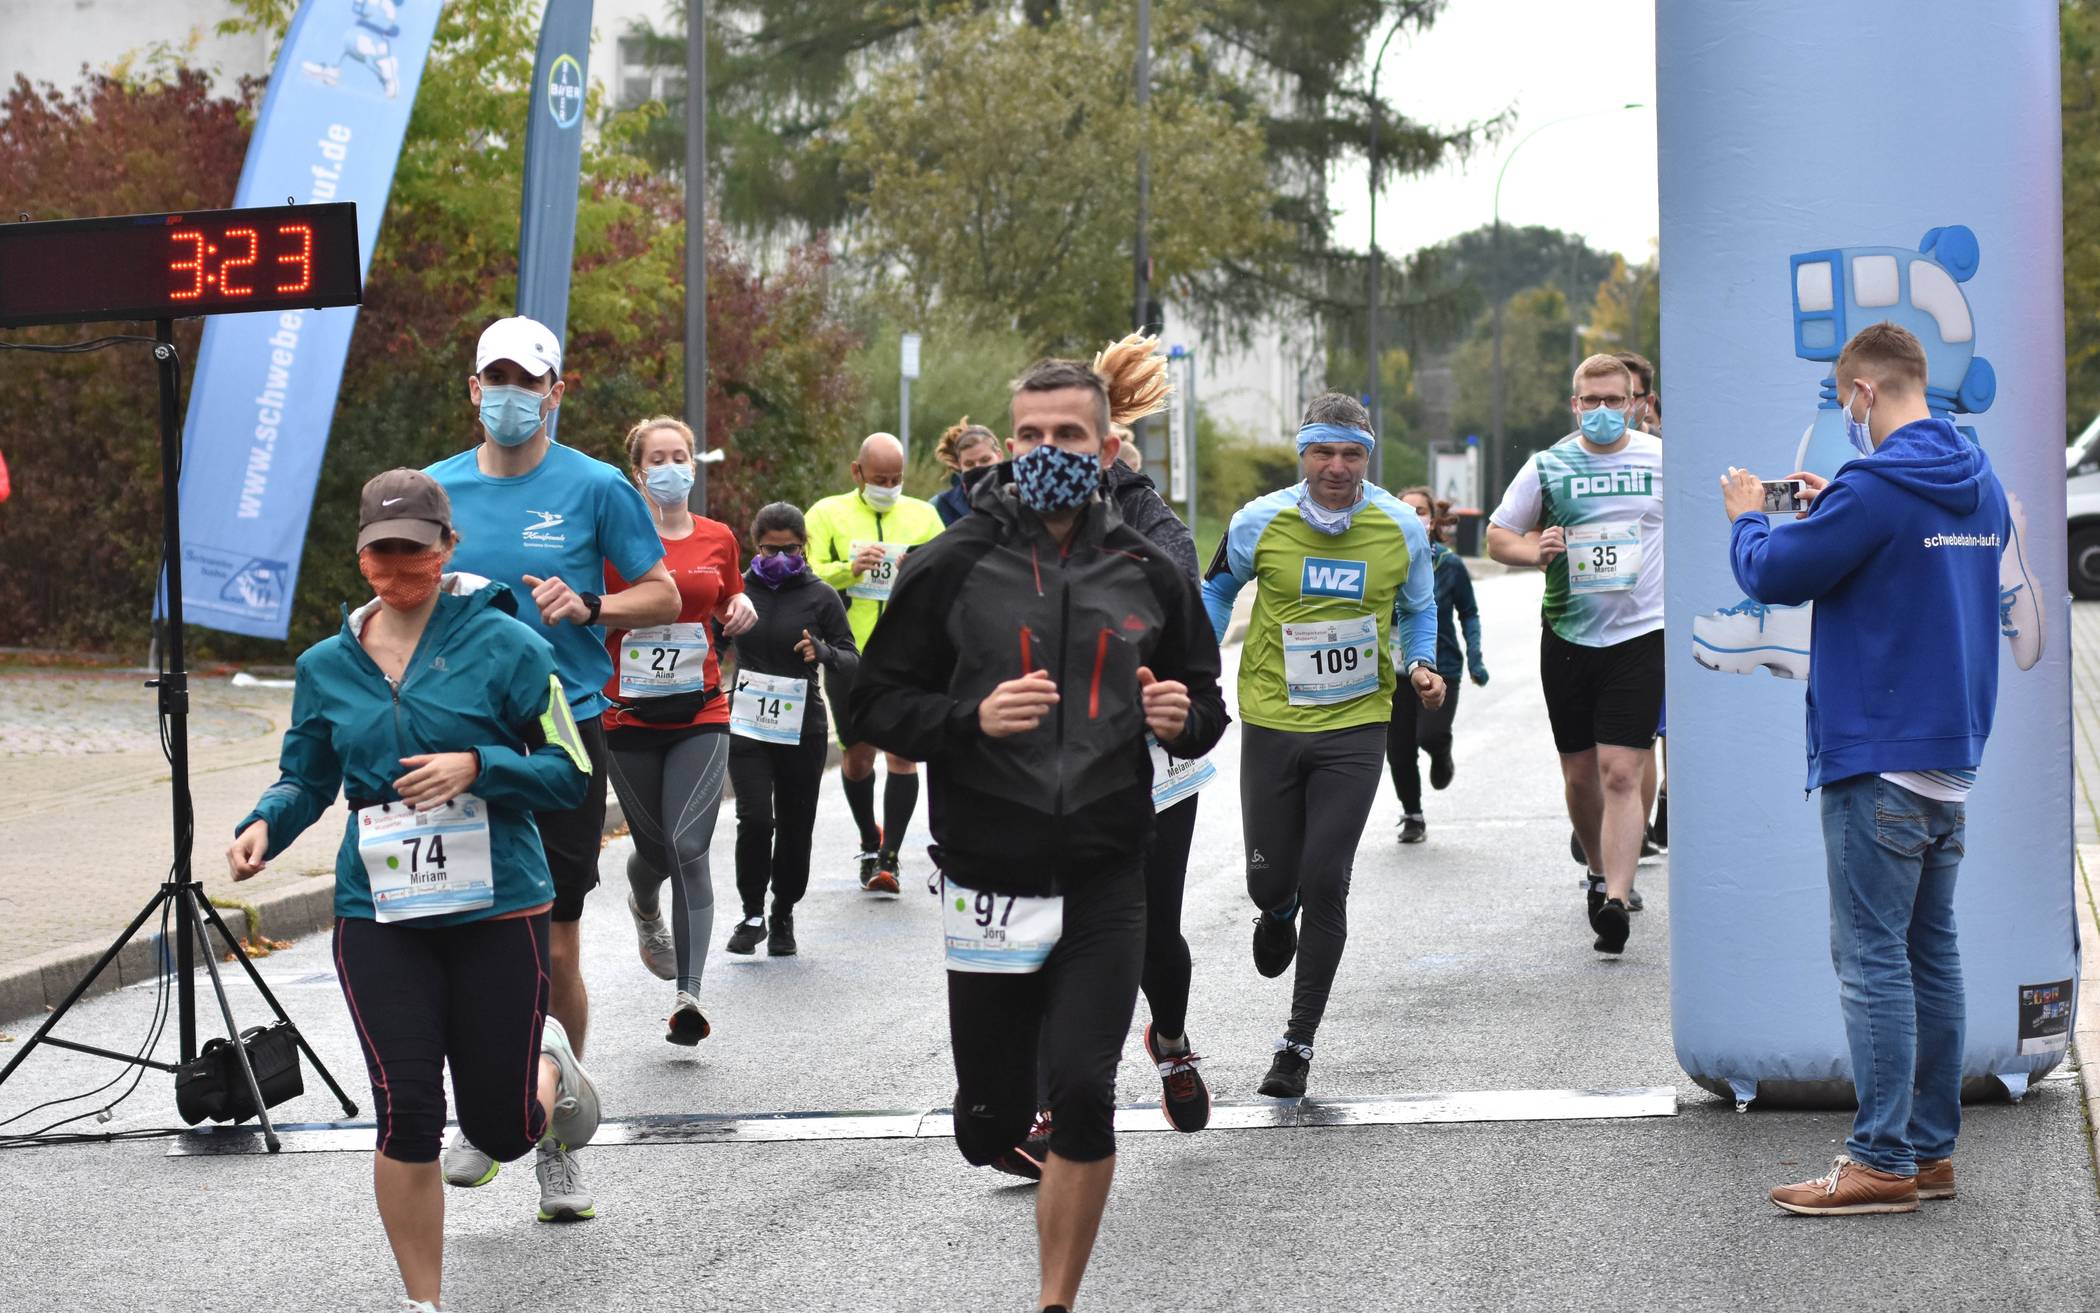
1545,59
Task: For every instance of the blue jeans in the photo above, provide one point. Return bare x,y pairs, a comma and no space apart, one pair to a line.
1892,857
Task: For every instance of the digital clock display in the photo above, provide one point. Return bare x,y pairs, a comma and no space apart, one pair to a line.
178,266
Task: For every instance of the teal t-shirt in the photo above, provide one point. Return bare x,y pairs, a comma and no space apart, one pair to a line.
565,520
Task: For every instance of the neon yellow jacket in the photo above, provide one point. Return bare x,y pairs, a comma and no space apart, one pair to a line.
836,523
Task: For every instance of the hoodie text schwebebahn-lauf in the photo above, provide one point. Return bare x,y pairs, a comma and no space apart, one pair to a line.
1900,556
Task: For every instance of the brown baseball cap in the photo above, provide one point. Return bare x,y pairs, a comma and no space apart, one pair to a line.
403,503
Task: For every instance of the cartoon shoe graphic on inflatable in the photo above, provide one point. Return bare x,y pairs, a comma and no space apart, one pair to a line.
1836,293
1738,639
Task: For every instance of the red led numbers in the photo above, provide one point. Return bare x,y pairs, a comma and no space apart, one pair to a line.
194,267
224,268
302,255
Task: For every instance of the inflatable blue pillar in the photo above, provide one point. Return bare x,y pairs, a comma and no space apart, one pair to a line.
1826,166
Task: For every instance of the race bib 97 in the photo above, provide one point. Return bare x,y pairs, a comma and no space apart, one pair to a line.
998,934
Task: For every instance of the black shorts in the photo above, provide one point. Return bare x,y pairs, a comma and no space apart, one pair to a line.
573,838
1611,695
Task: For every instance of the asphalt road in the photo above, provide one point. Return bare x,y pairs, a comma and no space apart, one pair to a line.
1469,968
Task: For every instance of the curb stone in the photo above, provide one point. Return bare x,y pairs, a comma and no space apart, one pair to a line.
32,987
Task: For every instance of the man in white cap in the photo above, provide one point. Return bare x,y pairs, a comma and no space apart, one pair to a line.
545,518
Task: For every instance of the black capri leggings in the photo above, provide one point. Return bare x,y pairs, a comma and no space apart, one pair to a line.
1415,729
1075,1011
1167,966
776,809
473,996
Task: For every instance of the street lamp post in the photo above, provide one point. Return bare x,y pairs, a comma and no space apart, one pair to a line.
1371,296
1495,254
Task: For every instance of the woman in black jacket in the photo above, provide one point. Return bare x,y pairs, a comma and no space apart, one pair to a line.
780,733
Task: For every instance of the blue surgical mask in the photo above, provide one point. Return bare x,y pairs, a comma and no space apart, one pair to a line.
511,414
669,483
1856,431
1603,426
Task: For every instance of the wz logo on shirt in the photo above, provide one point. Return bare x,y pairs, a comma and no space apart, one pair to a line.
1330,578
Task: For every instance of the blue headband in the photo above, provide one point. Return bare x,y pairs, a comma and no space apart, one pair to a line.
1312,433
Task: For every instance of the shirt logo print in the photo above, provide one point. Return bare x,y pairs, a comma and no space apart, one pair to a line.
1325,577
536,534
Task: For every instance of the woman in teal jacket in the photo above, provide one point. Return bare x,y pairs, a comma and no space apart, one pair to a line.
439,715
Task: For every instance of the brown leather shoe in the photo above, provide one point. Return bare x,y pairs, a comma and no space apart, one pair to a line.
1849,1187
1935,1178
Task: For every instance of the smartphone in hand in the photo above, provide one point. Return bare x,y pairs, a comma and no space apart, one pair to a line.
1783,496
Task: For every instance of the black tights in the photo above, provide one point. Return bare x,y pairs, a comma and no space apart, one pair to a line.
1414,730
776,809
472,997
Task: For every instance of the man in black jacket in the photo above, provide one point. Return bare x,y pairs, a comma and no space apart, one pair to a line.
1024,656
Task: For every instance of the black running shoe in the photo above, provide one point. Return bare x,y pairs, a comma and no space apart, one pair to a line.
1275,944
1287,1073
1017,1162
1593,896
1649,847
1413,829
1186,1099
1575,849
1613,925
1659,832
1441,769
781,942
744,940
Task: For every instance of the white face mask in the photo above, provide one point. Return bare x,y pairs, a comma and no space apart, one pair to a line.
880,498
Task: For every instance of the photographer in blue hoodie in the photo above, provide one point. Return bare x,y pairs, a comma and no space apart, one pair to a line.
1899,553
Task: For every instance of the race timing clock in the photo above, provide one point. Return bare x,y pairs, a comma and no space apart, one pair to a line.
179,266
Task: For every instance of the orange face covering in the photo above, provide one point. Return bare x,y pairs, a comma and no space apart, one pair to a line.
403,581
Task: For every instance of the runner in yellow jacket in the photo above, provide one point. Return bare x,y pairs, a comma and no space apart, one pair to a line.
857,542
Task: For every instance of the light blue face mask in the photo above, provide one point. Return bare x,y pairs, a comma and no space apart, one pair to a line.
1856,431
1603,426
509,413
669,483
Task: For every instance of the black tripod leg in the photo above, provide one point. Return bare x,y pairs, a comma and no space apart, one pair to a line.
255,977
233,1029
101,965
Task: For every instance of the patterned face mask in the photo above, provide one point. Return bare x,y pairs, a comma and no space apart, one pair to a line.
1050,479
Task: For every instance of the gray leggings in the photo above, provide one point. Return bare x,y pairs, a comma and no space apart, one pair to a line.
670,795
1304,799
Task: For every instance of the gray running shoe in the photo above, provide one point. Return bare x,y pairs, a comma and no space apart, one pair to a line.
653,934
464,1165
563,1197
575,1095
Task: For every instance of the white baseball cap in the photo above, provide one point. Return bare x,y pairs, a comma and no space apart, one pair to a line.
527,341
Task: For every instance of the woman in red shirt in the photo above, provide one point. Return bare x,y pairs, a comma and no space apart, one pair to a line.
668,729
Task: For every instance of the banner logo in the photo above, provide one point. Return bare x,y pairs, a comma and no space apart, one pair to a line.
565,91
1329,578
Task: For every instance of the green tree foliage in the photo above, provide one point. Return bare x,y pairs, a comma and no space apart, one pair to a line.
780,401
1535,375
2081,113
84,454
1029,226
963,372
1627,314
784,76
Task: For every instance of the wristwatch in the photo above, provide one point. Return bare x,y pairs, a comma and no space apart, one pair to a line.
1419,664
593,601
